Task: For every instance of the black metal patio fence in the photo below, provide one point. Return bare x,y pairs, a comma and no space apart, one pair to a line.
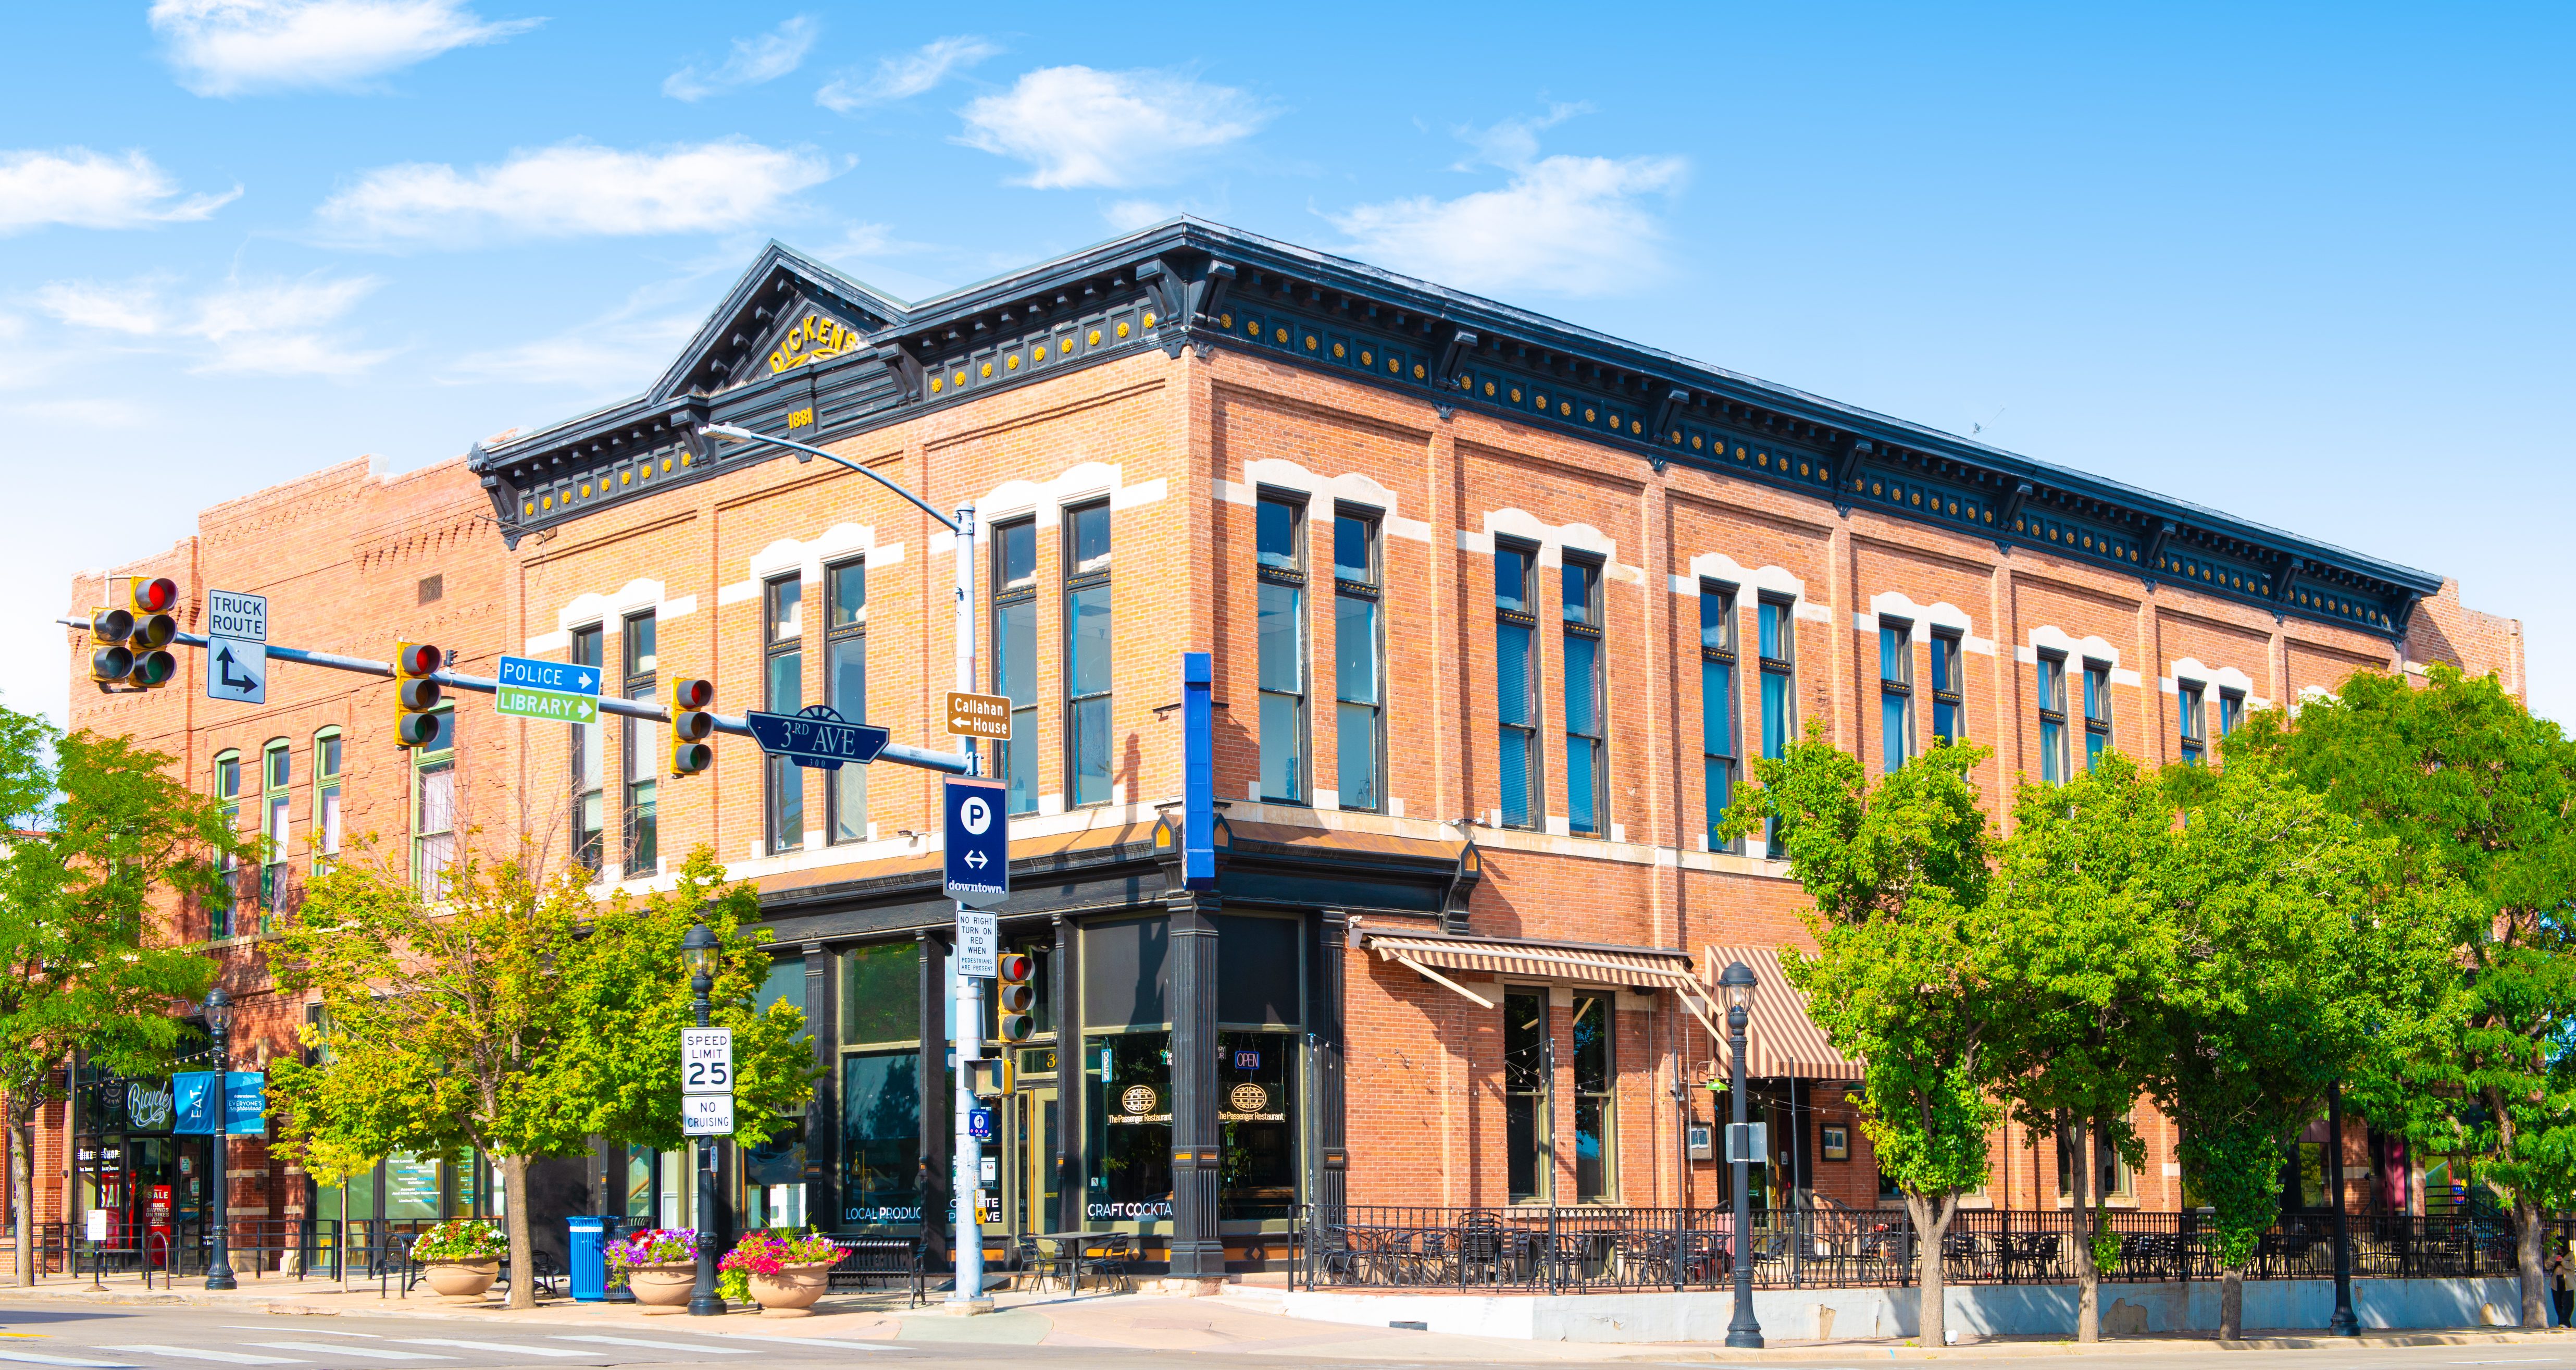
1578,1249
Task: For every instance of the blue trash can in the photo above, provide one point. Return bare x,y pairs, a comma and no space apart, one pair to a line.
589,1267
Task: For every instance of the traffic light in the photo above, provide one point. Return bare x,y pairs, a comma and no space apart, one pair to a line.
692,725
110,660
1015,996
152,628
415,694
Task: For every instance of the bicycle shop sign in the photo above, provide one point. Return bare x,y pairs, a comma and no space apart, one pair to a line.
134,1106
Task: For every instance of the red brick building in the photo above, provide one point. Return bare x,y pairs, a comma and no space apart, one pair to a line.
1499,609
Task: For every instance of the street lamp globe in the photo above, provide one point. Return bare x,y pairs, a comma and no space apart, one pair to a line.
1738,982
698,950
219,1009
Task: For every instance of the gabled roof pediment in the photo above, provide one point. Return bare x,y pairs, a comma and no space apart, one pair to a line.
786,311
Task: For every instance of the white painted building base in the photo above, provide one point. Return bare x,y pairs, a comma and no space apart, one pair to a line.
1978,1309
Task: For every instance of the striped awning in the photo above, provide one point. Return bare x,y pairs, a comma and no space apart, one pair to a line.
1779,1038
1579,962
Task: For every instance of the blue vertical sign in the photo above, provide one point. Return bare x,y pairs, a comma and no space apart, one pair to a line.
1198,774
978,838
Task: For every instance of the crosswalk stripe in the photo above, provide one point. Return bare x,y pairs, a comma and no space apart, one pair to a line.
200,1353
33,1359
501,1346
331,1348
696,1347
805,1341
312,1331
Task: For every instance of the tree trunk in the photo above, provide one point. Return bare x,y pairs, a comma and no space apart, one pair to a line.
2088,1279
523,1251
2231,1303
22,1174
2526,1252
1931,1224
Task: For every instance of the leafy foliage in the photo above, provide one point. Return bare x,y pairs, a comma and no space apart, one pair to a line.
1902,973
514,1016
100,836
2476,794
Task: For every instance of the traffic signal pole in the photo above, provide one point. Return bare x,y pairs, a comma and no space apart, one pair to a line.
897,752
965,992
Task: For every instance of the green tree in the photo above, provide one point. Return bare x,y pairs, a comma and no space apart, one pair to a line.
2079,932
2477,793
100,835
1900,978
2295,962
516,1017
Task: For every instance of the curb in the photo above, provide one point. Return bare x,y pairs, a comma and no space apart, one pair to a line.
2109,1346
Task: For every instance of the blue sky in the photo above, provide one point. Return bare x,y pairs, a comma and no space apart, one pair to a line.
2308,265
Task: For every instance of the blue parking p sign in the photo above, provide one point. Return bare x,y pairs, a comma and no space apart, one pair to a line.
978,837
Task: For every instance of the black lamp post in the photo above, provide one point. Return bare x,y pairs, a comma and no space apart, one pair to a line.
2343,1323
1738,982
219,1022
699,952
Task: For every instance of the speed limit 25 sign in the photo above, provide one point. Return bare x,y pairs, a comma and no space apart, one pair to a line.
706,1060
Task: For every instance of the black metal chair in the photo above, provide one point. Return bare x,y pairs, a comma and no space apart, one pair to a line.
1104,1258
1036,1264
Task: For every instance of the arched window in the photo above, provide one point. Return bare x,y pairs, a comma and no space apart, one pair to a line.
219,905
325,835
276,823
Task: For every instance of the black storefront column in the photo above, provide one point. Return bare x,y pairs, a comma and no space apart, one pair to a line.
933,1170
1328,1162
1072,1188
823,1115
1198,1155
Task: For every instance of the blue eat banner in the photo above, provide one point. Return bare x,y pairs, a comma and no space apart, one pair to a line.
245,1110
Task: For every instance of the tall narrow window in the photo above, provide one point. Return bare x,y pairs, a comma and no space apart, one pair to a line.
1596,1102
1776,638
326,799
2231,711
276,807
2097,713
2188,715
1529,1064
1015,657
1949,688
589,811
219,905
643,747
1516,681
433,806
1895,693
783,690
2048,676
1279,542
1087,654
1358,698
1587,779
845,686
1717,706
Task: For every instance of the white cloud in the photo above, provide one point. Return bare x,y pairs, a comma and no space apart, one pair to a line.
613,355
1567,225
1078,127
93,190
572,190
1126,216
901,78
754,60
233,47
271,328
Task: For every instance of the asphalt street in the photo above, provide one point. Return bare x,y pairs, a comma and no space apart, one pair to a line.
47,1334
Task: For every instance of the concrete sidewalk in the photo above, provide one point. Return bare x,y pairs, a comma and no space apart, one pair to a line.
1243,1321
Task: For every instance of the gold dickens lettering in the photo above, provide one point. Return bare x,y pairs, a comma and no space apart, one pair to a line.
812,339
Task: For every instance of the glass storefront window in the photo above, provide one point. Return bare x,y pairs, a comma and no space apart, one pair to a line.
1526,1095
1257,1117
881,994
773,1181
881,1139
412,1185
1127,1080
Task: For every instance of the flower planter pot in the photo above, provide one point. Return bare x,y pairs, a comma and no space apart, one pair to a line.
792,1291
461,1279
663,1288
